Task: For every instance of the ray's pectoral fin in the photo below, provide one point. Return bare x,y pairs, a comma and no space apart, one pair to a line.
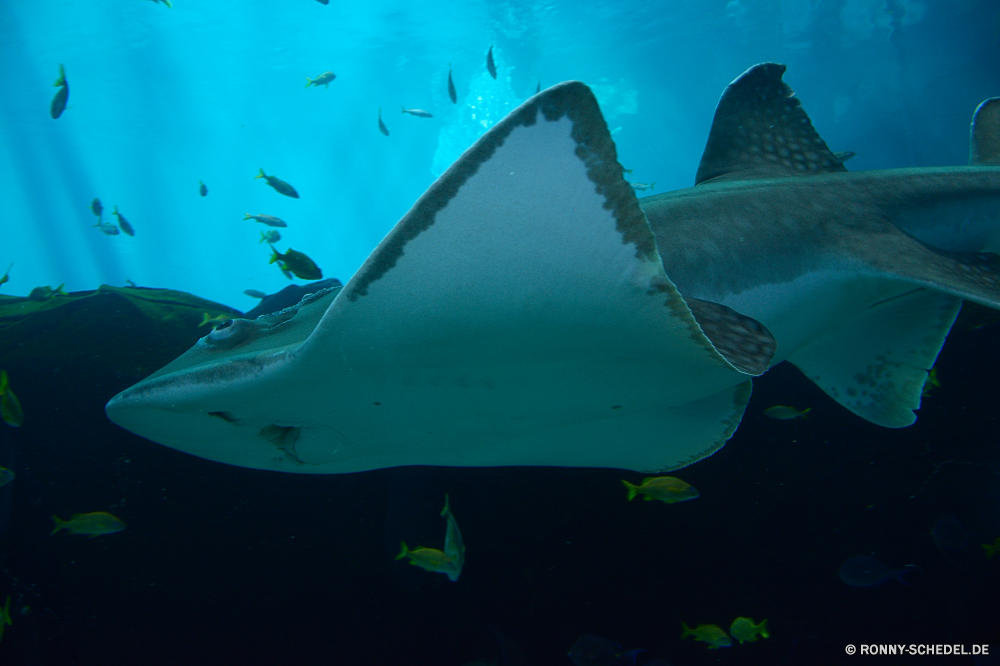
985,143
877,363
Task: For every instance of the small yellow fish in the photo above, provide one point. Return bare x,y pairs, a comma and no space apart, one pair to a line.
429,559
206,320
46,293
932,382
992,550
92,524
667,489
744,630
449,561
6,476
280,186
10,406
6,276
783,413
297,263
5,620
708,633
642,187
324,79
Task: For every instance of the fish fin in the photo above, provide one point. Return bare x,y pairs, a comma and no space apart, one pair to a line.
404,551
762,628
760,130
58,524
61,81
632,489
984,149
742,340
168,3
260,175
275,255
687,630
542,191
4,382
308,82
876,364
248,216
403,108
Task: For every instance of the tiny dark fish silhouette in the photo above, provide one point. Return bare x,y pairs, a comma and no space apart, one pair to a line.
123,223
594,650
419,113
490,65
280,186
381,125
96,207
62,95
451,89
865,571
323,2
202,189
949,534
269,220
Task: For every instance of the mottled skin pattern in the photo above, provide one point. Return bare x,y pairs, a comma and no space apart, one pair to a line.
720,240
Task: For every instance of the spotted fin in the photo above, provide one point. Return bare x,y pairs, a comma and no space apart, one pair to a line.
760,130
877,363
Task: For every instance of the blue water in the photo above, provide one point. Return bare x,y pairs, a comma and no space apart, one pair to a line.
222,565
160,98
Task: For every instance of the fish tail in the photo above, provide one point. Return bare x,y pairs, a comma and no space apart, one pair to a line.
261,175
3,389
762,629
61,81
274,256
204,319
446,510
59,522
404,551
168,4
687,630
632,489
990,549
308,82
403,107
247,216
652,185
262,236
806,411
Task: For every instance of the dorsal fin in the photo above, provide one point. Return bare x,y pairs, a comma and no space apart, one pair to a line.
761,131
984,148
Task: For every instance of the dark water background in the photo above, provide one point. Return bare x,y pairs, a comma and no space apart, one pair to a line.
228,565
